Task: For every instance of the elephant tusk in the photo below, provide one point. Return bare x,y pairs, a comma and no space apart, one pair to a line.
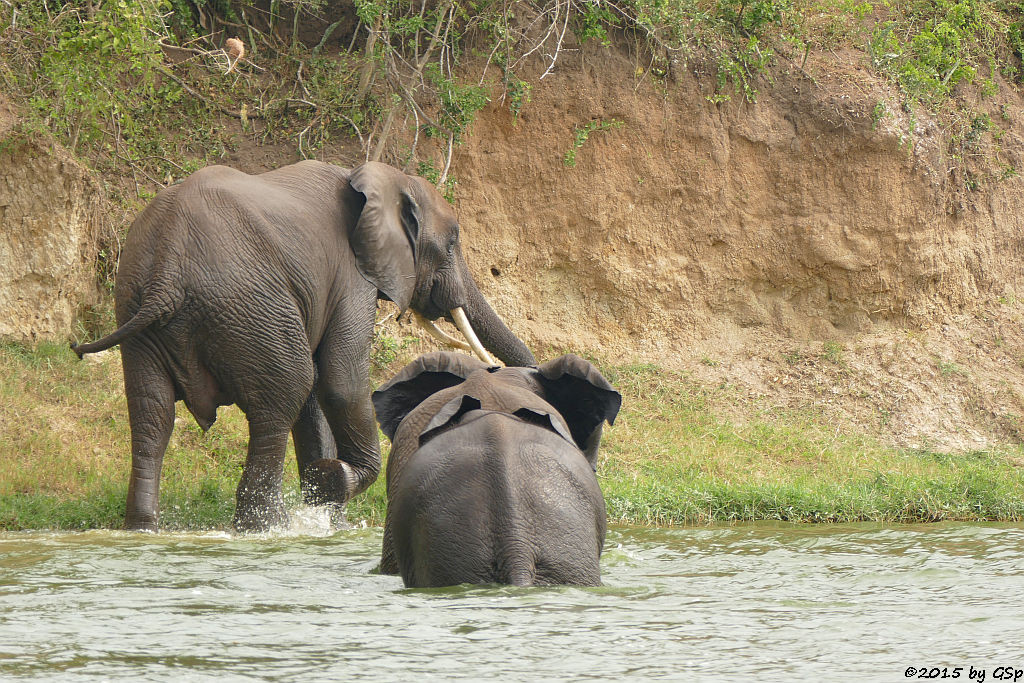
439,334
462,322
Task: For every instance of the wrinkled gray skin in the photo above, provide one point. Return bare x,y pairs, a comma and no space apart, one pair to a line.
491,473
260,290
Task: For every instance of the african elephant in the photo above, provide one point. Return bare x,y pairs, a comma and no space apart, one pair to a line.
491,473
261,290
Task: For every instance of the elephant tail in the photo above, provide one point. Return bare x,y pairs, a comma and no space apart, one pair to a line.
516,565
520,576
150,312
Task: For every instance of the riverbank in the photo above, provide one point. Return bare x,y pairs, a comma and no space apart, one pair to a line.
681,452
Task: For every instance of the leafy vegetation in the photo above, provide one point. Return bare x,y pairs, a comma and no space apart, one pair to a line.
582,133
92,74
933,46
114,79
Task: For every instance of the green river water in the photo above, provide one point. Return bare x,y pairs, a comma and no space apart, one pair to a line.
752,602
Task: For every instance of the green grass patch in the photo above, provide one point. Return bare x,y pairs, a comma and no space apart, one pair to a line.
679,453
65,444
676,457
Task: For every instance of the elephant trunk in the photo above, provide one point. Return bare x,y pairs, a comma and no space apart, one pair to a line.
492,331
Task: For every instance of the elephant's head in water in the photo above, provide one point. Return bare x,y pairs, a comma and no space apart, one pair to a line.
491,472
261,290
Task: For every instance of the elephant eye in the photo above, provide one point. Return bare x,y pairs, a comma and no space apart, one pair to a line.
451,244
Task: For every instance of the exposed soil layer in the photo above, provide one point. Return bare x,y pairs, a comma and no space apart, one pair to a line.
794,247
50,217
802,249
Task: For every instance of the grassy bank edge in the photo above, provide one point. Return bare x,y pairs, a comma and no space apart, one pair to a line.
968,498
680,453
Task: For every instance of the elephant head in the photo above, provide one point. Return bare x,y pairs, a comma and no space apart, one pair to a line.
444,392
406,243
566,395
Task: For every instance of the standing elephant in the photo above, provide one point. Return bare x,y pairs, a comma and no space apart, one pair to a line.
491,473
261,290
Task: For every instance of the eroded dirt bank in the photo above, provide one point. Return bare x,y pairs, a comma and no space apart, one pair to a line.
799,247
50,217
802,249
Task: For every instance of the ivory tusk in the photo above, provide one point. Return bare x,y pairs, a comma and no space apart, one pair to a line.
439,334
462,322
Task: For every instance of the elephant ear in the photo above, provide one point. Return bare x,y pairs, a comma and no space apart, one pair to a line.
546,419
425,376
448,416
384,238
583,397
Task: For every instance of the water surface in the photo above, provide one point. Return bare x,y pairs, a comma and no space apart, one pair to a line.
774,602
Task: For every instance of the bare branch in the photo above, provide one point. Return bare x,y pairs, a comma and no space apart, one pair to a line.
544,40
367,74
447,163
415,139
189,90
558,47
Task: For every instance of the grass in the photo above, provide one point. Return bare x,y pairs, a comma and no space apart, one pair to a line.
64,444
672,457
64,450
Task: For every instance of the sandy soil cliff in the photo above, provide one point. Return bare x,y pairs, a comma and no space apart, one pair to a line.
50,213
802,250
797,247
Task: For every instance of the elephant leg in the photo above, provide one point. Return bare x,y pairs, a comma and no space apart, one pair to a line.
388,561
150,394
274,404
343,390
313,441
258,502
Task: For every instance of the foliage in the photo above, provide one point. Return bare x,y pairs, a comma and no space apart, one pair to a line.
114,49
332,106
595,19
582,133
737,35
94,73
85,61
879,112
446,186
459,103
386,349
518,94
933,45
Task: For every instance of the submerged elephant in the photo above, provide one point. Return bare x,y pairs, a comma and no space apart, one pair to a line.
491,473
261,290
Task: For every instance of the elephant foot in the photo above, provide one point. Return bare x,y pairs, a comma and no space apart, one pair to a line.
147,523
257,518
327,482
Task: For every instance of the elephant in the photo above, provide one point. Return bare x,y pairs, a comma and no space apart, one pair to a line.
261,290
492,472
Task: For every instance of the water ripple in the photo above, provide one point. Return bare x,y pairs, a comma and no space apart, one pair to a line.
772,601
